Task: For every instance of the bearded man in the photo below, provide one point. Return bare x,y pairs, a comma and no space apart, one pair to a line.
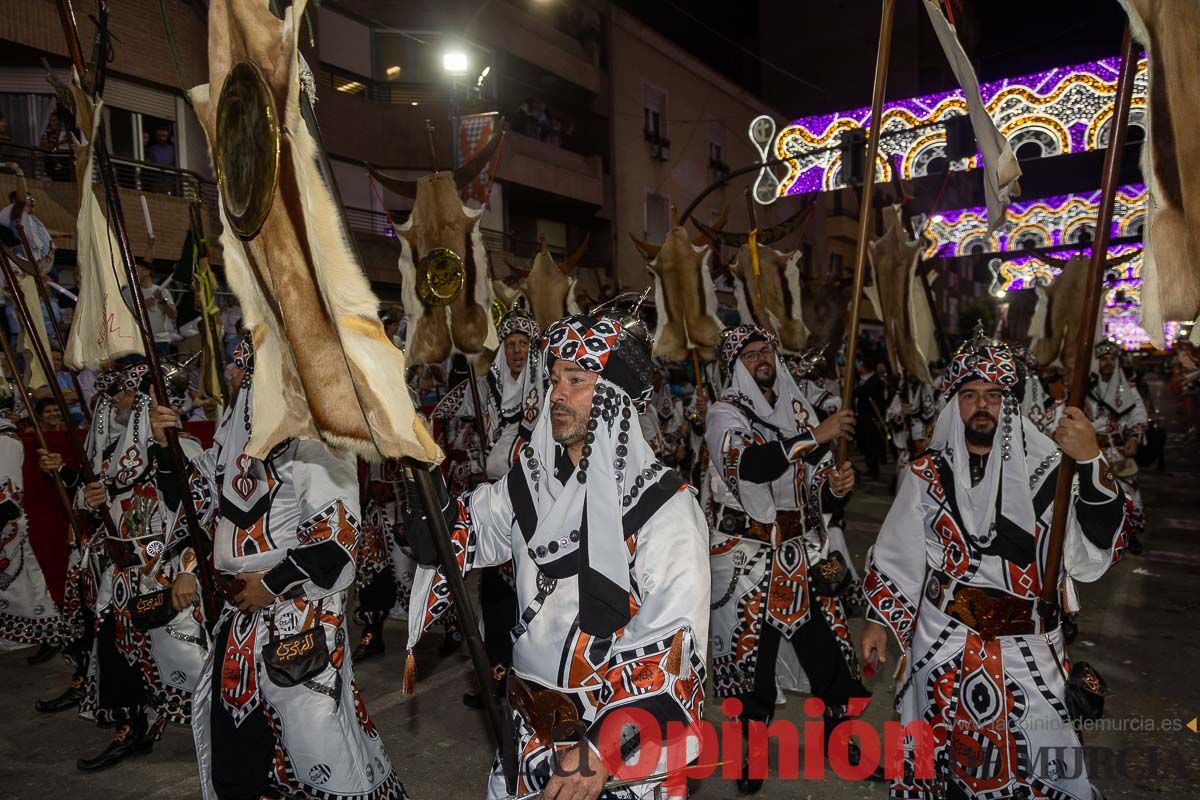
774,484
956,577
608,553
1119,418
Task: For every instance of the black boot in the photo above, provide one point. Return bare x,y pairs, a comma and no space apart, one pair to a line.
853,751
1135,545
130,740
746,784
370,645
68,699
1070,628
44,653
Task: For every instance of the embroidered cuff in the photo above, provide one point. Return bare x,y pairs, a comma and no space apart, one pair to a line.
797,447
1097,483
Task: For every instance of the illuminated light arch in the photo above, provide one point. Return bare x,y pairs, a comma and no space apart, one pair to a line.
1048,133
1072,104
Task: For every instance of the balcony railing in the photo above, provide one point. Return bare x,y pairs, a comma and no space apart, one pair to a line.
140,176
379,91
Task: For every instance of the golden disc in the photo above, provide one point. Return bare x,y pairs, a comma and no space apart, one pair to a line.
440,277
247,150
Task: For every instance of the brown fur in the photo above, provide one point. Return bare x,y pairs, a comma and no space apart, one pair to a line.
685,298
321,347
550,287
1170,29
778,288
439,219
1064,316
893,258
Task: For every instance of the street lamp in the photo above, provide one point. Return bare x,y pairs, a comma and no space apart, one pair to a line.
454,62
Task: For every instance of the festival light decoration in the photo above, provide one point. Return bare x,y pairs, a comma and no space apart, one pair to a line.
1054,112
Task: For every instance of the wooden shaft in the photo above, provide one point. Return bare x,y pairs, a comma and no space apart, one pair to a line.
175,454
39,352
462,601
61,490
44,296
1091,308
864,212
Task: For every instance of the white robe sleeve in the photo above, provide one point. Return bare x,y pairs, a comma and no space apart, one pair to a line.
729,435
1100,505
896,564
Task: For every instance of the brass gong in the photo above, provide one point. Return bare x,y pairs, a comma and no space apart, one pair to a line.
247,151
498,312
440,277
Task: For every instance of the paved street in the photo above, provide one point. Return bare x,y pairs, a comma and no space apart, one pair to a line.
1138,628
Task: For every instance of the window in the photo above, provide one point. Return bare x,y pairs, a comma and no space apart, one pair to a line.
654,111
657,218
716,143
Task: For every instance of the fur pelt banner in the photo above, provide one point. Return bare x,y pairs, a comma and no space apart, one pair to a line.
1170,31
548,287
899,300
684,296
325,368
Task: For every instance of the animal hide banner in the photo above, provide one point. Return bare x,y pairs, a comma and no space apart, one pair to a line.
314,319
1170,29
1001,169
103,327
35,376
684,297
1059,307
777,286
440,220
549,288
898,298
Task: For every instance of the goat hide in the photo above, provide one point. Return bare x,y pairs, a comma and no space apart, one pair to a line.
305,299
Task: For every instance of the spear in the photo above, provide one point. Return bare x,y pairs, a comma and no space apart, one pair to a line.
864,212
44,296
178,463
19,380
39,352
1091,308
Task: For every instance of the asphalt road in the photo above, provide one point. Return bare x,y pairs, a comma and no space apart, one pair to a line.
1138,628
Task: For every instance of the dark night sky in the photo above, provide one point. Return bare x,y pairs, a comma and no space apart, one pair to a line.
830,43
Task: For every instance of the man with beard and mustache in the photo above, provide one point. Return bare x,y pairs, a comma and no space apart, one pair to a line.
774,481
956,576
608,552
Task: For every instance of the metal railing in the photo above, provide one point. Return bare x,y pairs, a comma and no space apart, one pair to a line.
141,176
379,91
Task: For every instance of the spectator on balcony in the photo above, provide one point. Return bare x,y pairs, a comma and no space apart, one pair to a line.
161,151
57,145
524,122
231,324
5,136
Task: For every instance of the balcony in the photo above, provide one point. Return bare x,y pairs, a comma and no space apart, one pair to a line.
169,193
544,166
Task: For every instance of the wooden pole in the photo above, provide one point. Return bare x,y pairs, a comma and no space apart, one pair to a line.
1091,308
19,380
864,213
25,317
44,296
108,179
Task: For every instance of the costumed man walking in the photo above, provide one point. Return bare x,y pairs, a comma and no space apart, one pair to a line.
383,568
1037,404
773,479
607,547
79,592
910,416
28,614
806,369
146,656
277,713
666,429
956,575
1120,420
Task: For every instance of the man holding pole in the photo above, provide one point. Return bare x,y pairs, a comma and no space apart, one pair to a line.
277,713
609,557
957,576
773,479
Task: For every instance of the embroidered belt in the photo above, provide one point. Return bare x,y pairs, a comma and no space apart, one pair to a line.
990,612
787,525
